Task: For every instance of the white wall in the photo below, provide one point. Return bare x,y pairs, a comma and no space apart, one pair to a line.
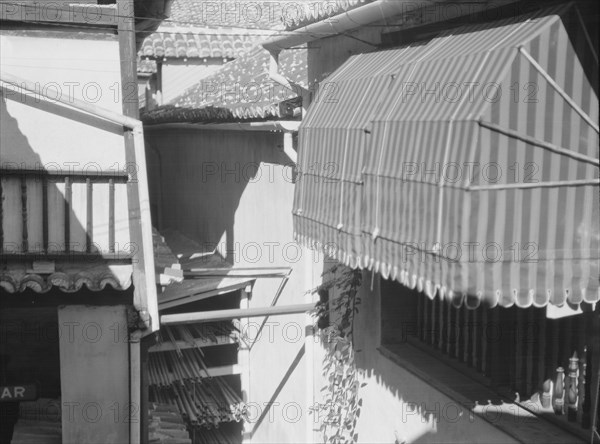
232,189
177,75
390,391
37,132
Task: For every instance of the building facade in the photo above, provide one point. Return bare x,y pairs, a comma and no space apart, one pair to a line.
78,290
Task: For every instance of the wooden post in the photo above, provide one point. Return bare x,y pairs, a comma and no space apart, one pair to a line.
111,215
420,303
244,358
25,239
145,345
483,362
465,333
457,335
542,356
475,338
521,334
128,55
67,214
433,321
44,214
90,215
450,341
140,230
442,327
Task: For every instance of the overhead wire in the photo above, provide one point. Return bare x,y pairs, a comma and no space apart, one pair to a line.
266,31
167,20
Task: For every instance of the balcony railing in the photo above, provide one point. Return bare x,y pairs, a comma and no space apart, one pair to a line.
54,214
125,205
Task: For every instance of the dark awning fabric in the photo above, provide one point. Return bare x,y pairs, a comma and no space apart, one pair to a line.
466,165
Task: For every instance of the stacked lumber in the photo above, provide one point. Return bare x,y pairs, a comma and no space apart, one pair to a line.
35,432
179,377
166,426
170,367
39,422
194,333
207,403
218,435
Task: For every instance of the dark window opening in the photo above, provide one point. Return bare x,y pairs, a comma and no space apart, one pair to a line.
513,350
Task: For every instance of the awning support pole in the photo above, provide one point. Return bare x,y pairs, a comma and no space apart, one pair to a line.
559,90
225,315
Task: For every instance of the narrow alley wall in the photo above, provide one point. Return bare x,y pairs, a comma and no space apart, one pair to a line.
233,191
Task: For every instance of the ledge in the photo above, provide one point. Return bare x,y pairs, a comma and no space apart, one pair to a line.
507,416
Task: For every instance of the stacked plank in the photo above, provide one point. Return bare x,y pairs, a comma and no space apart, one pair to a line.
170,367
193,333
166,426
217,435
179,377
39,422
167,367
35,432
207,403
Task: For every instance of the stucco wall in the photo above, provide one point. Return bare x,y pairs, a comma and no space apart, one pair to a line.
177,75
41,135
94,375
391,392
234,189
86,68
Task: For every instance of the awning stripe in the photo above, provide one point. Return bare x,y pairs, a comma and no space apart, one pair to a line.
549,146
528,164
560,90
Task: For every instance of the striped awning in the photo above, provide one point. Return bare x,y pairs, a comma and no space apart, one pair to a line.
465,166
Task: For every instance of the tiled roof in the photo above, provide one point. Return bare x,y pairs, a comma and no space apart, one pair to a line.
146,66
301,13
72,274
240,90
191,42
16,276
203,28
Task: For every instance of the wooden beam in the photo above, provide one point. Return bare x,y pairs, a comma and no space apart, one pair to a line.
224,370
238,272
182,345
58,175
11,82
223,315
140,225
186,299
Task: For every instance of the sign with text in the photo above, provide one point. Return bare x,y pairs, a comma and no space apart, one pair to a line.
23,392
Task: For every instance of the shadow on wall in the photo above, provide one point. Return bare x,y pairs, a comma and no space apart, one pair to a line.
396,404
197,180
47,207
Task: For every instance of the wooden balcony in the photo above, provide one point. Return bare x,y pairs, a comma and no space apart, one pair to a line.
61,217
51,214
